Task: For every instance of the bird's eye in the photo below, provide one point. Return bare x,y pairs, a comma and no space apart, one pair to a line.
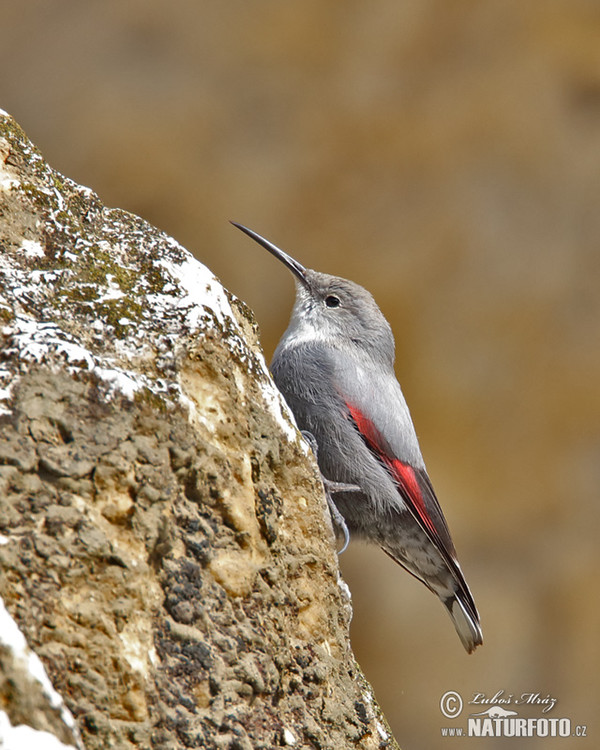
332,301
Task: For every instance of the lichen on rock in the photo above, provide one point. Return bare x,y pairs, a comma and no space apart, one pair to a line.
166,548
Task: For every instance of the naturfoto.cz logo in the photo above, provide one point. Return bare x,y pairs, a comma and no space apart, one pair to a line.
498,721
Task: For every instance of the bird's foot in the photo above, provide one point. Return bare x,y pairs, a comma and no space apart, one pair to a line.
337,518
331,488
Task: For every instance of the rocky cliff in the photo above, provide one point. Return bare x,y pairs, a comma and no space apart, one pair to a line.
168,567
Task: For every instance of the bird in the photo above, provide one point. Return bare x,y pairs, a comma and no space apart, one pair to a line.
334,365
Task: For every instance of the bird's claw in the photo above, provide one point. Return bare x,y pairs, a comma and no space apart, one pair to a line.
331,488
311,440
338,519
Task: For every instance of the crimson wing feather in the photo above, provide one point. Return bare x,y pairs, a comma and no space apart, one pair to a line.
417,492
414,484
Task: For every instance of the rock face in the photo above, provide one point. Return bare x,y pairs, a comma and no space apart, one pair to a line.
165,547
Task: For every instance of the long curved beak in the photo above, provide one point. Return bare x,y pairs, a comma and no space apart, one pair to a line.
296,268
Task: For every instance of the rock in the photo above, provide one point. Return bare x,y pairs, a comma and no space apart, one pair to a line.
166,549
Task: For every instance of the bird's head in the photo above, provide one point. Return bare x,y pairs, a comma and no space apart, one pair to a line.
332,310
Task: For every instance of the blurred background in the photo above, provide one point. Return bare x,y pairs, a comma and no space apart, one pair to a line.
447,157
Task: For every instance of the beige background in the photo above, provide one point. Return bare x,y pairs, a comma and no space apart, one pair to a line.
446,156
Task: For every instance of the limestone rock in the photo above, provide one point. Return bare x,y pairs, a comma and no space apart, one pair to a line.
165,546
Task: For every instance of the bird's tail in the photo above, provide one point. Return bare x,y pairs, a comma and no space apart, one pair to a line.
466,621
450,586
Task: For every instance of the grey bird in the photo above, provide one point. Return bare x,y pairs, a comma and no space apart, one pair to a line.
334,366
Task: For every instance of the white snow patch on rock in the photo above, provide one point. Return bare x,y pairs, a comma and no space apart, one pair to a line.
7,183
278,407
32,249
382,731
24,737
13,638
186,299
38,343
113,291
344,588
201,290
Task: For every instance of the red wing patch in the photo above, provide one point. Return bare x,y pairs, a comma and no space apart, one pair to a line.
402,473
366,428
416,491
407,480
